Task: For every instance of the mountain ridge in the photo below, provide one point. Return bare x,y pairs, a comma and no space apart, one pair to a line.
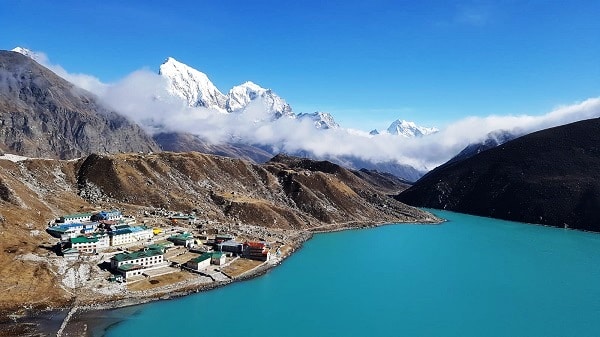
43,115
549,177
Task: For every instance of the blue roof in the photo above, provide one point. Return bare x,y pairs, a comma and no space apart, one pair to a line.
65,227
104,215
121,231
138,228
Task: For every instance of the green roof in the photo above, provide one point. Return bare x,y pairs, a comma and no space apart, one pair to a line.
202,257
57,229
129,266
159,246
217,254
136,255
83,239
182,237
77,215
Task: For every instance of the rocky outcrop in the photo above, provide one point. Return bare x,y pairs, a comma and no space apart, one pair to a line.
550,177
42,115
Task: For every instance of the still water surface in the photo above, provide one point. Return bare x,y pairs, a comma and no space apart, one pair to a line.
470,276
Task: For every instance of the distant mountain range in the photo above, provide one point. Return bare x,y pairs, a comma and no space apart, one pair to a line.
407,129
195,90
550,177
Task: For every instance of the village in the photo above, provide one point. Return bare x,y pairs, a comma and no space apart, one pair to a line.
161,247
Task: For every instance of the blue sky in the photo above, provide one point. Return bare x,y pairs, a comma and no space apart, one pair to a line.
366,62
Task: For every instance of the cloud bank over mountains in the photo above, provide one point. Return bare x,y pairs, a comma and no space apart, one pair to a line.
144,98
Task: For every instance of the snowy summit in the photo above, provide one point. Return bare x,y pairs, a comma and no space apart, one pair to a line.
409,129
196,89
241,95
32,55
322,120
192,85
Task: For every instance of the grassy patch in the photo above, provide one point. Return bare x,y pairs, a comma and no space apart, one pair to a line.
160,281
240,266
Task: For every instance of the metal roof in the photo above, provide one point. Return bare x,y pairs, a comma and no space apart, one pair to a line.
84,239
202,257
137,255
77,215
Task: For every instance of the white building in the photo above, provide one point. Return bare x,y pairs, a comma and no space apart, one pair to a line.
141,233
130,234
77,217
89,244
218,258
132,264
121,237
199,263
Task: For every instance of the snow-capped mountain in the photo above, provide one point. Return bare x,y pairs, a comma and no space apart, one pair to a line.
409,129
192,85
241,95
322,120
32,55
196,89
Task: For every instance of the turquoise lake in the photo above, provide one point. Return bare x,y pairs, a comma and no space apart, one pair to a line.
470,276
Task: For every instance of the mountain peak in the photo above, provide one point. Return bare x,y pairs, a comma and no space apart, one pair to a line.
251,85
409,129
241,95
31,54
322,120
191,85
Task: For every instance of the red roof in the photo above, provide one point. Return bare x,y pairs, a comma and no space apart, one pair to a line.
255,244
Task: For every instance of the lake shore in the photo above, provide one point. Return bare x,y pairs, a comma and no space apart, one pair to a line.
94,318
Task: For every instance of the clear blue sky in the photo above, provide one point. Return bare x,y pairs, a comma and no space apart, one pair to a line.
367,62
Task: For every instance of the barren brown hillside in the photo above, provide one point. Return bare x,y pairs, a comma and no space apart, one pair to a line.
283,193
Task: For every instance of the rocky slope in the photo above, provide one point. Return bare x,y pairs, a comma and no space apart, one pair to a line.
42,115
285,192
187,142
550,177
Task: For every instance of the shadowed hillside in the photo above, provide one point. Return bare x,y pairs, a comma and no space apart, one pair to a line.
550,177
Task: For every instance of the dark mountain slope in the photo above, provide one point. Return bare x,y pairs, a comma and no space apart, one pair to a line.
493,139
384,182
42,115
550,177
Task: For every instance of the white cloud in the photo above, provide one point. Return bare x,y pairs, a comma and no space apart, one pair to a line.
142,96
87,82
